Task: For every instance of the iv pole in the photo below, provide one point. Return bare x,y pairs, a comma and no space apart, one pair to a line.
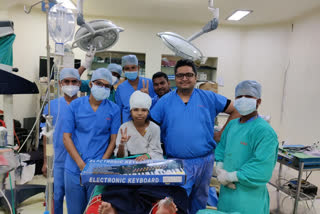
49,127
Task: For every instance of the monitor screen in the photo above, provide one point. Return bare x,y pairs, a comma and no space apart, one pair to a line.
43,66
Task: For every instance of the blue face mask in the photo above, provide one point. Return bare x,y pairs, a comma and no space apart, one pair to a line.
100,93
131,75
245,105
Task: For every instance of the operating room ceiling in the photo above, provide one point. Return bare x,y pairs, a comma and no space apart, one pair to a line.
192,11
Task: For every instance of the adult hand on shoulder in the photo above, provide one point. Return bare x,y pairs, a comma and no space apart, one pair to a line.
145,88
124,137
44,169
217,136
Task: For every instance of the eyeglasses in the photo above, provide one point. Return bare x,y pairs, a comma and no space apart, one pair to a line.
70,81
187,75
101,84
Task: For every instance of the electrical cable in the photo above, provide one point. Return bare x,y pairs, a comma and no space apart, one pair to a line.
307,176
38,117
154,207
291,192
34,125
6,199
12,195
15,134
288,196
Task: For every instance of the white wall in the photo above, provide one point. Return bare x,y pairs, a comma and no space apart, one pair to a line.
301,112
300,124
264,57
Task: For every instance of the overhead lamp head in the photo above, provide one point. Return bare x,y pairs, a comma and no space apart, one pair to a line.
183,47
180,46
105,35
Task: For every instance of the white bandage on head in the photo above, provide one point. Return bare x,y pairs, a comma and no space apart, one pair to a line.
140,100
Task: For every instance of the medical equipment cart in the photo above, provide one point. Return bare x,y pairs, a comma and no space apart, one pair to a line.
302,163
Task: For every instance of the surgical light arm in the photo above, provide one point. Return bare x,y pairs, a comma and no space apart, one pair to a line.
210,26
80,20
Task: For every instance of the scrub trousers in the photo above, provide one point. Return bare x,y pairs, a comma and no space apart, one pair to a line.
199,172
58,189
77,196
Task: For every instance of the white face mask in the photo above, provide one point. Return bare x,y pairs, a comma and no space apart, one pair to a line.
115,80
70,90
245,105
100,93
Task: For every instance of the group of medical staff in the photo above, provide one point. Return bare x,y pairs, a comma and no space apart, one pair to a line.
86,128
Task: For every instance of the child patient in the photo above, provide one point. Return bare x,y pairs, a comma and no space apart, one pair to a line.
139,136
162,208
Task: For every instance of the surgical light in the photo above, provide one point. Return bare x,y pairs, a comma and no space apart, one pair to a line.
183,47
99,34
238,15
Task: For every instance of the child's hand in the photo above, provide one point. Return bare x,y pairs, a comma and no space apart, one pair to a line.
145,88
142,158
124,137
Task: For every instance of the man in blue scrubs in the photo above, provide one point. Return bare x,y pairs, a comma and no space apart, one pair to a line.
246,155
90,131
161,86
69,83
134,82
187,117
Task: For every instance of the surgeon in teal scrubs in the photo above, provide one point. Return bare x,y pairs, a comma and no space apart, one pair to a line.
246,155
134,82
90,130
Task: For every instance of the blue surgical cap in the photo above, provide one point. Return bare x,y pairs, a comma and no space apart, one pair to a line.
129,60
102,74
115,68
69,73
249,87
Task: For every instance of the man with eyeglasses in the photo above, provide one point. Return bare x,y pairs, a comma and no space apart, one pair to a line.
90,130
115,70
69,81
187,117
134,82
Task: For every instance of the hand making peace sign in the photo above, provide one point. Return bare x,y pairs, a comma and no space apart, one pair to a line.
145,89
124,137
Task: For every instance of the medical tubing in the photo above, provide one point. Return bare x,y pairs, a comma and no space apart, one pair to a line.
12,195
89,204
39,115
5,198
59,100
153,207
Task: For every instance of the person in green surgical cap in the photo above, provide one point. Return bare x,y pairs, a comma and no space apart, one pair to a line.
246,155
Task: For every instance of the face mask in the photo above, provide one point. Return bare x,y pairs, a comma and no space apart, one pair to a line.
70,90
115,80
100,93
245,105
132,75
